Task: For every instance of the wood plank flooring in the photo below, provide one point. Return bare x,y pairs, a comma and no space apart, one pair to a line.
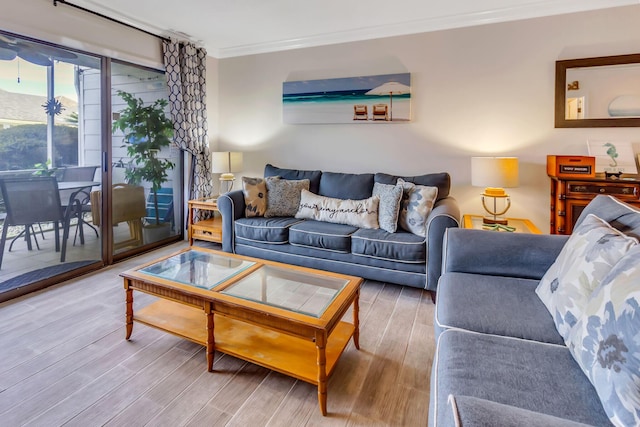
64,361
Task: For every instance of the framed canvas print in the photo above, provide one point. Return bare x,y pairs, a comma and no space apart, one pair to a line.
369,99
613,157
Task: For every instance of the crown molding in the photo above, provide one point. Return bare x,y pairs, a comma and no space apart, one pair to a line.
533,9
530,9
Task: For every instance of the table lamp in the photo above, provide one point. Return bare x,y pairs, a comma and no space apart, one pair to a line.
226,163
495,173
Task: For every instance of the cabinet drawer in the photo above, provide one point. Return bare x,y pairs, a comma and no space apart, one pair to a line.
621,190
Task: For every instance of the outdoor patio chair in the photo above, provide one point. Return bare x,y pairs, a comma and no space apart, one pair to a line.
30,201
82,199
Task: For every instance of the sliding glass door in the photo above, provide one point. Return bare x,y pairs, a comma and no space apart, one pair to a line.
146,166
85,121
45,133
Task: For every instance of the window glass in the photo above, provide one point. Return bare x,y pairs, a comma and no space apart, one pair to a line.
146,165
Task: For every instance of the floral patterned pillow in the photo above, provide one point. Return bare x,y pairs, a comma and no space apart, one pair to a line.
255,196
389,208
417,202
283,196
587,257
606,341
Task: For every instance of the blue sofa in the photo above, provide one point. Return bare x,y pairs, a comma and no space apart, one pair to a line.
401,257
499,358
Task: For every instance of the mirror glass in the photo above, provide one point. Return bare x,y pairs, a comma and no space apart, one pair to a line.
598,92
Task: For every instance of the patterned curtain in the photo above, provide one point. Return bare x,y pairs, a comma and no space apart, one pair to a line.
186,76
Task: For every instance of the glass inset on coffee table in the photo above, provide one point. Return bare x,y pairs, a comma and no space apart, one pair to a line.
286,318
202,269
304,293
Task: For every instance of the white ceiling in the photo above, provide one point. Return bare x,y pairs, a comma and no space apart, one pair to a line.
228,28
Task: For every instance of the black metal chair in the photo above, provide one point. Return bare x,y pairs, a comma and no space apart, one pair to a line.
81,199
79,173
30,201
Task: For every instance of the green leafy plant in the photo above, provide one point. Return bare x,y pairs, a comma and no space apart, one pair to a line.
44,169
146,131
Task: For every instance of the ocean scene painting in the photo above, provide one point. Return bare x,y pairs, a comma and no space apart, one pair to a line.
370,99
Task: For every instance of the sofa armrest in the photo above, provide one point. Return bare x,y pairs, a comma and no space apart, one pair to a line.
231,207
526,256
472,411
445,214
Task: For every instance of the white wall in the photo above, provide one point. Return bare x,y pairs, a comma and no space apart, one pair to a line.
482,90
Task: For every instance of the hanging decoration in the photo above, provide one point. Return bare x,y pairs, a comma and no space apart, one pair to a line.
53,107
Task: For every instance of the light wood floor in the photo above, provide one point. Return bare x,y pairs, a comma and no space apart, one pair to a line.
64,361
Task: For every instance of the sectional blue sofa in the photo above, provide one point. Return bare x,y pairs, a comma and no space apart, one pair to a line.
401,257
500,357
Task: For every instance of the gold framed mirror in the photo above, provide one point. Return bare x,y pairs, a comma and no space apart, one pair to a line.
598,92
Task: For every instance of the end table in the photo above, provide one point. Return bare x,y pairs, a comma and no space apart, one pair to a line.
520,225
206,229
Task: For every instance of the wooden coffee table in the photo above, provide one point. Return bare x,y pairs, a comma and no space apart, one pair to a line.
285,318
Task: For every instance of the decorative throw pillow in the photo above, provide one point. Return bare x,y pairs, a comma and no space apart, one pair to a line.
358,213
417,202
255,196
606,341
283,196
389,208
587,257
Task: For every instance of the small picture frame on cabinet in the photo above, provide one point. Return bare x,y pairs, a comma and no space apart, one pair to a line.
613,157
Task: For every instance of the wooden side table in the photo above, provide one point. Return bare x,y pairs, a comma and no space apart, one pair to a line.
521,225
206,229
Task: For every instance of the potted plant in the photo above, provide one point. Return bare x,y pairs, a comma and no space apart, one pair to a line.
146,131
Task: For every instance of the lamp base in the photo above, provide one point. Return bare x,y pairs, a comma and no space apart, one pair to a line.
494,220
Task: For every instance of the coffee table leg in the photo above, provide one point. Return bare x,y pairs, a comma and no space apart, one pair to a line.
356,320
129,310
321,343
211,342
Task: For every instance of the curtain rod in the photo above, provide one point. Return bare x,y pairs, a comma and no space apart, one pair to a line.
66,3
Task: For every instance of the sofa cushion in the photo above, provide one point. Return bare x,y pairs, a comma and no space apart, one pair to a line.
346,185
493,305
267,230
471,411
441,180
590,253
283,196
606,341
389,208
400,247
359,213
525,374
322,235
417,203
295,174
619,215
255,196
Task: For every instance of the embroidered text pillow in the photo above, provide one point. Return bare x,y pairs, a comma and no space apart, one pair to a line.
358,213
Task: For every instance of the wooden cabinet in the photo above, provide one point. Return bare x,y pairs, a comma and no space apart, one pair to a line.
206,229
570,196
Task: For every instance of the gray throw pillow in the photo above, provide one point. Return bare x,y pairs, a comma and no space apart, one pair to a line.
283,196
389,208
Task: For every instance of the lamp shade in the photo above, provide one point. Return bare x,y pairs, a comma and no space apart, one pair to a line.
494,172
226,162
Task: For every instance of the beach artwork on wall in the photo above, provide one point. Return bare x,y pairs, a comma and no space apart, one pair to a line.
370,99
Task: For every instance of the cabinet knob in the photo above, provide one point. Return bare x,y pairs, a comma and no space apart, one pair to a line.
602,190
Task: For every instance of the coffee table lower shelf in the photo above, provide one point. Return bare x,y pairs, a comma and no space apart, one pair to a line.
289,355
